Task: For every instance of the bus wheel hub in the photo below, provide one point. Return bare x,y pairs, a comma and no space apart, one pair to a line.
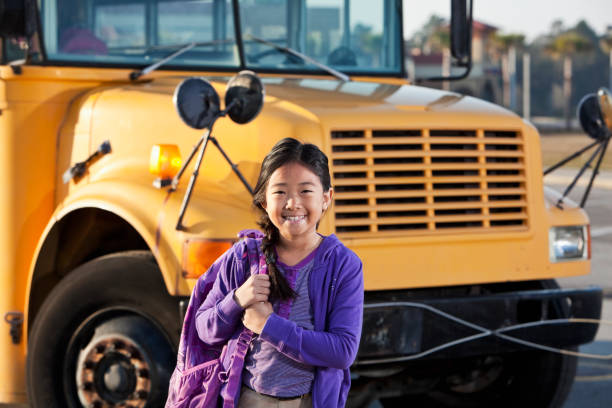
112,372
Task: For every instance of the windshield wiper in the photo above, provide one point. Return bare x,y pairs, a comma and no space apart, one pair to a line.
306,58
134,75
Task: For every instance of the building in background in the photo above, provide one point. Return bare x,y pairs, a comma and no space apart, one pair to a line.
427,53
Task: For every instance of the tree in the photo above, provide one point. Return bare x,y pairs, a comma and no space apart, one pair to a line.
505,41
557,27
434,27
563,46
439,40
606,46
507,45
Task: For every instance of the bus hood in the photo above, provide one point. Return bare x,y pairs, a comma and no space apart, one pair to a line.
338,103
304,108
328,99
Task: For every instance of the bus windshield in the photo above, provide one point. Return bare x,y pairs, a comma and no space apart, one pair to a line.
352,36
357,36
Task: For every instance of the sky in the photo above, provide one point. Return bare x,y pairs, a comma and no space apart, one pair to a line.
529,17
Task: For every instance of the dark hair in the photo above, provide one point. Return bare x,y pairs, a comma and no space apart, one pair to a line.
286,151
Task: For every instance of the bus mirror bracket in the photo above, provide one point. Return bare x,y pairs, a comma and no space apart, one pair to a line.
197,103
595,116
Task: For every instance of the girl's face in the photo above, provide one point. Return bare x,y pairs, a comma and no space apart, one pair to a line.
295,201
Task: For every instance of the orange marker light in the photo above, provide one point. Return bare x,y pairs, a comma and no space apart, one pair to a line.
588,231
165,161
199,254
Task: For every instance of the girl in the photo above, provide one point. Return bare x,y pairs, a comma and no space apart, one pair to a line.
307,311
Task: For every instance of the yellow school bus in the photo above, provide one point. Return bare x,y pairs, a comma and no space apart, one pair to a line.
441,195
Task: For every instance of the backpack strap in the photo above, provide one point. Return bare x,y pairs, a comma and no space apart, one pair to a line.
257,264
233,375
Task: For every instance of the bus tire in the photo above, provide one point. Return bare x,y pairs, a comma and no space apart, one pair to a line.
537,378
107,334
524,378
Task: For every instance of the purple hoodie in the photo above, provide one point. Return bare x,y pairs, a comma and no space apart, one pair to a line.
336,293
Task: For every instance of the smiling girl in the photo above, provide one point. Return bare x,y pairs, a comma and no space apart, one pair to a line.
307,312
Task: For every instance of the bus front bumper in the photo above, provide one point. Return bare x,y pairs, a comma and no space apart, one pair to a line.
410,329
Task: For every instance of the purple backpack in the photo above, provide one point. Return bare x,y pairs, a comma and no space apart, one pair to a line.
200,375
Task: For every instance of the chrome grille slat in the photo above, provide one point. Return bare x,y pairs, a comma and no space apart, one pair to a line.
402,182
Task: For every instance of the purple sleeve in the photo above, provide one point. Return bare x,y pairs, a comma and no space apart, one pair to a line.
337,346
219,315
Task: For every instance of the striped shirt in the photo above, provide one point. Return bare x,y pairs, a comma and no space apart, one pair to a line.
270,372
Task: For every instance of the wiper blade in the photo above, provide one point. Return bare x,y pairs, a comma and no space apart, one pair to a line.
304,57
134,75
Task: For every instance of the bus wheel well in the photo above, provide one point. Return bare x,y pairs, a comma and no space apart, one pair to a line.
78,237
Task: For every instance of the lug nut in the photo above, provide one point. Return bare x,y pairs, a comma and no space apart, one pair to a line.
89,365
134,354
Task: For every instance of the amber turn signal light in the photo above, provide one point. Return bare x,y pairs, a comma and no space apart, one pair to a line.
165,161
200,254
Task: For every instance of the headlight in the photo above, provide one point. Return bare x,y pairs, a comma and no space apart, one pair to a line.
568,243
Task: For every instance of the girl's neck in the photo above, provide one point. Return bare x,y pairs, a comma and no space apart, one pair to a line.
291,252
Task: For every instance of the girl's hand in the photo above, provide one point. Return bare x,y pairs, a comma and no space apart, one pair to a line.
256,289
256,315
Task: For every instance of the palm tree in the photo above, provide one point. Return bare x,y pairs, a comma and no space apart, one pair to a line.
565,45
422,37
434,38
505,41
606,45
507,45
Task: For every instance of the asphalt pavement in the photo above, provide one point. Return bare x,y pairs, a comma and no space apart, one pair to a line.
593,383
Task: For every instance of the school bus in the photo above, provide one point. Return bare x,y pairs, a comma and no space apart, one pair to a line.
441,195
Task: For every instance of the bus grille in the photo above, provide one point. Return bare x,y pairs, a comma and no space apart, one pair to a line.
413,182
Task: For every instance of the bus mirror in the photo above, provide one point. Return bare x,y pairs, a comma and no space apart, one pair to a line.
197,103
460,33
605,104
12,18
594,114
590,116
244,97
